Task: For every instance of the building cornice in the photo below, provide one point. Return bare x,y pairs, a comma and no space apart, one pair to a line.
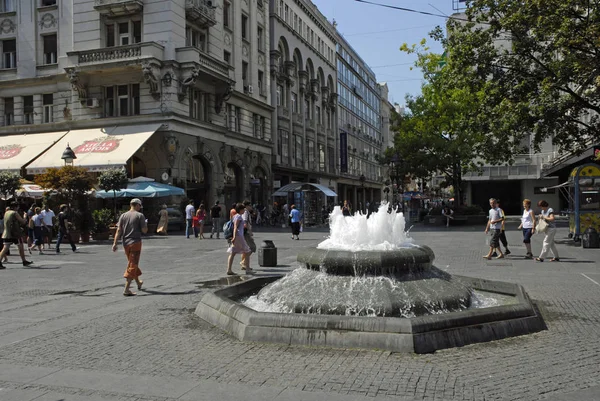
324,25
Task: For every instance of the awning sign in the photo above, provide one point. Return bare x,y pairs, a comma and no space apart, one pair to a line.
10,151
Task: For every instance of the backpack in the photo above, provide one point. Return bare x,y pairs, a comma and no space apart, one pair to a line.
228,229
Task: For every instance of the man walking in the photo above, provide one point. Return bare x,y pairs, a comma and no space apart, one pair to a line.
63,229
494,225
131,226
13,233
189,218
215,215
48,216
503,239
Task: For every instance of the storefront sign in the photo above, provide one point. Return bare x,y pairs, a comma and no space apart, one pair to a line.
277,184
98,145
255,181
9,151
343,152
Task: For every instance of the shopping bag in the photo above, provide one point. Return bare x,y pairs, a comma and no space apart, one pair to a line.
541,226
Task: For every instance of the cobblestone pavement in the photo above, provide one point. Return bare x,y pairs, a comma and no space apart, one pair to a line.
67,333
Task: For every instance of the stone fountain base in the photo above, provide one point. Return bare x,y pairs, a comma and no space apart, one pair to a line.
422,334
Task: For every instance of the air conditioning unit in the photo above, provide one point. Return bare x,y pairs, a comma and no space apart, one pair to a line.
92,103
250,89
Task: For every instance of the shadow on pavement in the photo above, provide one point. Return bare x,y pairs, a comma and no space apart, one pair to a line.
153,292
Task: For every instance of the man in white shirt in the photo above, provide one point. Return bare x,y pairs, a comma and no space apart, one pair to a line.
494,225
48,216
189,215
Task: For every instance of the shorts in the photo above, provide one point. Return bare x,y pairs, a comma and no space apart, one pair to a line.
10,240
495,240
527,233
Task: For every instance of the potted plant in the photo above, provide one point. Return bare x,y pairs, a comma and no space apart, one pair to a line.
103,218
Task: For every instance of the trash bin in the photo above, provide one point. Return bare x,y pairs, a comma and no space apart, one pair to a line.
590,238
267,254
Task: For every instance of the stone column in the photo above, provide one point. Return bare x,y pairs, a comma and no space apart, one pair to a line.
18,104
38,111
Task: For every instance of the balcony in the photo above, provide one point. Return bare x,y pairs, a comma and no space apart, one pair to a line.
329,133
320,128
297,117
116,56
310,124
118,8
283,112
201,12
208,65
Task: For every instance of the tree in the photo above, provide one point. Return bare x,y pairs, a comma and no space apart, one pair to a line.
70,180
9,183
441,132
536,65
113,180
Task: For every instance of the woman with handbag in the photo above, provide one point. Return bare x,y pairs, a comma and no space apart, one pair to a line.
547,225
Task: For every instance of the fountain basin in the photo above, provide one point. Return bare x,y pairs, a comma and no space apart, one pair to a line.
421,334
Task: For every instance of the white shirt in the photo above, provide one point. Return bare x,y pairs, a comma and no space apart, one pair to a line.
495,214
526,220
48,215
189,212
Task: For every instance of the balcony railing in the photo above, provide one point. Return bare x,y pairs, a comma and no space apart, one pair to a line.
117,53
117,8
310,123
209,64
202,12
297,118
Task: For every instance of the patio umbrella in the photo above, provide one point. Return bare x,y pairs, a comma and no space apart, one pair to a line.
143,189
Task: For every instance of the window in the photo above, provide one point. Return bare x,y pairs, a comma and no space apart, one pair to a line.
245,73
50,49
259,39
235,115
283,145
295,22
226,13
9,111
244,27
46,3
307,109
122,100
123,33
198,105
238,119
318,116
286,13
28,109
261,77
259,126
7,6
9,53
321,148
298,154
294,100
48,107
195,38
279,95
227,57
331,159
311,154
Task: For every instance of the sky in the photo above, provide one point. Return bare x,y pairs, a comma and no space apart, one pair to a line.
376,34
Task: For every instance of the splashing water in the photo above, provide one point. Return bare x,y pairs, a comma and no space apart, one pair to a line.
380,232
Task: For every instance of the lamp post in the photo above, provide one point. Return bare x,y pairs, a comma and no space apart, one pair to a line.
68,156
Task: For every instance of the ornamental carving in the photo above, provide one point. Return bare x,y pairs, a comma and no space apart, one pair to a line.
303,77
221,98
77,84
47,21
261,59
150,73
7,25
186,83
227,39
245,51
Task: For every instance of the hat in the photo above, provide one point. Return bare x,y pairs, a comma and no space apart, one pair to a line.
136,201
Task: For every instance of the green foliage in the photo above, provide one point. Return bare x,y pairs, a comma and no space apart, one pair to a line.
534,66
103,218
113,180
9,183
67,179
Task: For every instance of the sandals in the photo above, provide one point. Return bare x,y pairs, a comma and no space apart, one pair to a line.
539,259
555,260
128,293
140,284
487,257
231,274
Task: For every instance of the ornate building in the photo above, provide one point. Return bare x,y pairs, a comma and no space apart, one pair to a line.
303,89
181,82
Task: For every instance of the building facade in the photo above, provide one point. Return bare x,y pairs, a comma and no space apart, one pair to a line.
303,76
362,114
193,69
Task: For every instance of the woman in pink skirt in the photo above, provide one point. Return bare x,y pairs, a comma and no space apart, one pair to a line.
238,243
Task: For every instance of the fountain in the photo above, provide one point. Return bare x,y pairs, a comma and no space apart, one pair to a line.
369,286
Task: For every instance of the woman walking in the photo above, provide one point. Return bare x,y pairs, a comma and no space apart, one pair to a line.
547,215
201,214
37,221
295,220
528,227
163,221
238,243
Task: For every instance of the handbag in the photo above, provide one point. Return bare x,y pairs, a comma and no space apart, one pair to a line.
541,226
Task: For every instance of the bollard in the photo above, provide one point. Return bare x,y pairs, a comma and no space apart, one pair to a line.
267,254
590,238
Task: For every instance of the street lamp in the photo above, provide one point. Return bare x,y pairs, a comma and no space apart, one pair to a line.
68,156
